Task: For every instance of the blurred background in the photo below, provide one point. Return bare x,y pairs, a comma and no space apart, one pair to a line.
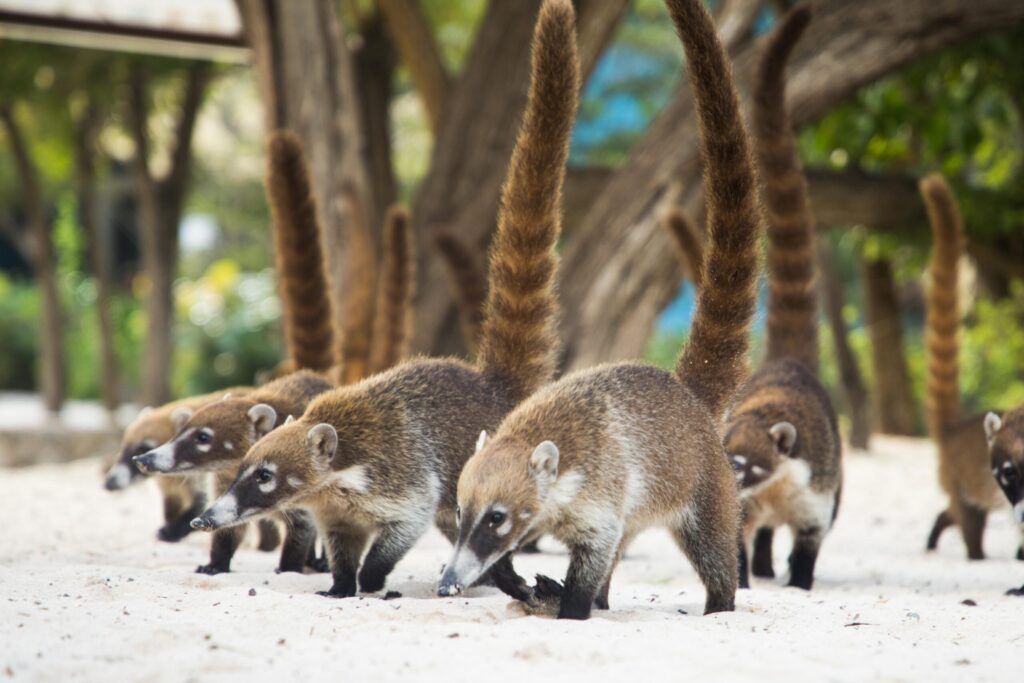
135,251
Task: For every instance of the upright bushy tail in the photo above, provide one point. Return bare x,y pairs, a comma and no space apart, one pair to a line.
689,249
792,296
519,338
354,335
391,326
301,270
943,317
469,283
713,362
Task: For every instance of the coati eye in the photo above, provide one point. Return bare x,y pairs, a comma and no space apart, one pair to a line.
263,475
203,437
496,518
1010,473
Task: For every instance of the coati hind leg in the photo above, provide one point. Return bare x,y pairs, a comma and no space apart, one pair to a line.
943,521
270,536
222,548
590,566
806,544
299,541
178,521
392,543
345,544
972,526
761,565
707,532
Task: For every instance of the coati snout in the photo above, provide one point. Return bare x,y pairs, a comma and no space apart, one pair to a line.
1006,450
755,454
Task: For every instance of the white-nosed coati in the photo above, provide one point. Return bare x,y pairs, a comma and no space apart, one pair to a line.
378,461
183,496
214,439
602,454
965,466
782,435
1005,436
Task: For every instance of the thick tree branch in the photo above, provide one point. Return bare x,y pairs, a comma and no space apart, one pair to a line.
420,54
197,77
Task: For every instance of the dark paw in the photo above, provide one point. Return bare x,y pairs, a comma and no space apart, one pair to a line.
337,593
371,582
744,583
763,572
173,534
719,606
1017,592
212,569
1020,553
802,582
290,567
319,564
601,603
577,612
547,588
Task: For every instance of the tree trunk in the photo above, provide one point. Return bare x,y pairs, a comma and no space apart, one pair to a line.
617,264
307,80
51,358
374,66
894,405
160,205
99,256
855,396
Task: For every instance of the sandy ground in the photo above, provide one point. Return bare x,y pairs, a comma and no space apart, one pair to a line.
87,593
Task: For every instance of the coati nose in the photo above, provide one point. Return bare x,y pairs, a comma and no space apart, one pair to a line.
202,523
449,584
144,462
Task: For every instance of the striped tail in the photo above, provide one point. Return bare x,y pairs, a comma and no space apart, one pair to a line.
943,317
299,255
792,296
519,341
713,363
391,328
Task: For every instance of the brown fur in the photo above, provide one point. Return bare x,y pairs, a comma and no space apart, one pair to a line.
792,296
300,263
713,363
354,339
391,329
379,459
1005,435
687,242
469,283
964,469
601,454
782,435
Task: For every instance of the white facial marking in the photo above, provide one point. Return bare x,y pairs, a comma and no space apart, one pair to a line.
467,567
525,515
228,446
225,510
739,460
119,476
247,472
269,486
353,478
504,528
758,470
294,481
163,457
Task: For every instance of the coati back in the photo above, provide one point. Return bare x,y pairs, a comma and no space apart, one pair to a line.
376,462
395,293
306,313
215,437
603,453
782,435
469,283
964,462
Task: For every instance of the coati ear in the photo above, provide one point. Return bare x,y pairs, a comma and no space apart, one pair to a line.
323,439
226,396
263,418
179,416
288,420
544,461
992,424
481,441
784,437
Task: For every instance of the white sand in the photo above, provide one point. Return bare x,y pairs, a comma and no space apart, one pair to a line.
87,593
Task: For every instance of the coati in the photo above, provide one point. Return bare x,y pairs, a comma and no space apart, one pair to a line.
1005,435
376,462
965,465
184,496
782,435
216,436
601,454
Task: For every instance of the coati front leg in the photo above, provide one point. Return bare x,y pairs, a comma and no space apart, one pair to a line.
345,544
707,534
299,541
762,563
972,526
177,520
392,543
590,565
601,599
943,521
270,536
806,544
222,548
